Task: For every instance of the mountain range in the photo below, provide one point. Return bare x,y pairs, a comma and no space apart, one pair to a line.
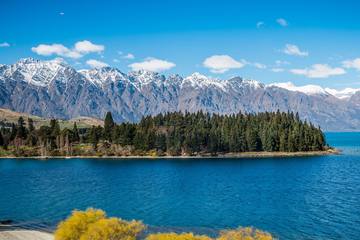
54,89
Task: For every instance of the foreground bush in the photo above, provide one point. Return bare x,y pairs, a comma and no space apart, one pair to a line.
174,236
77,224
246,233
114,229
92,224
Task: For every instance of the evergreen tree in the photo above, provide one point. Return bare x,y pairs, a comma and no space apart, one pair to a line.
94,137
13,131
54,127
21,129
108,126
160,142
31,125
176,133
1,140
75,134
252,140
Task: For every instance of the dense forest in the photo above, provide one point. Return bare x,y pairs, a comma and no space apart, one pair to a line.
167,134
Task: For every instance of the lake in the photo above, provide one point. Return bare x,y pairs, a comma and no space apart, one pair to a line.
293,198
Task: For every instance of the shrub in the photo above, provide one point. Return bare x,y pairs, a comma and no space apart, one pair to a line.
92,224
77,224
247,233
174,236
113,229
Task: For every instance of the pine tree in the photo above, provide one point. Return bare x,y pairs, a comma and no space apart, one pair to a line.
1,140
55,127
108,126
13,131
21,129
31,125
160,142
75,134
94,138
252,140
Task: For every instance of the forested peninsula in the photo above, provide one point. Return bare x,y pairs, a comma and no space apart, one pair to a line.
170,134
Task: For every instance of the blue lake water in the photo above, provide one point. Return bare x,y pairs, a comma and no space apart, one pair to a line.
293,198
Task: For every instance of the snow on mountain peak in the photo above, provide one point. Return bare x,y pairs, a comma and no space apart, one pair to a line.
253,83
175,79
143,77
317,90
39,73
197,75
198,80
342,94
99,76
307,89
42,73
27,60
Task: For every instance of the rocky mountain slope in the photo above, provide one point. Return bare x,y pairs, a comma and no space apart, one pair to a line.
55,89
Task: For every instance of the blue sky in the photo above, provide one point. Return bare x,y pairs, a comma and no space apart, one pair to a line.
304,42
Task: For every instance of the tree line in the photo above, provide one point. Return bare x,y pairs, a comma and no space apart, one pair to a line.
176,133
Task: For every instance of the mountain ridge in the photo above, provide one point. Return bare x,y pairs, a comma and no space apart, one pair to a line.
55,89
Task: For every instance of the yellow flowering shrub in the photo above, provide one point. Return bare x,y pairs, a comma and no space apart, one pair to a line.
174,236
92,224
246,233
113,228
73,227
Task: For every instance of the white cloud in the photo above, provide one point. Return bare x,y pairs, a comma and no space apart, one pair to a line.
259,65
129,56
59,60
319,71
55,49
281,63
116,60
96,64
86,46
282,22
152,64
221,63
80,49
294,50
126,56
259,24
4,44
355,63
277,70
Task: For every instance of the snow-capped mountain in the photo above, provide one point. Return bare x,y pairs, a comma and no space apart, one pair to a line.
55,89
318,90
307,89
38,73
346,93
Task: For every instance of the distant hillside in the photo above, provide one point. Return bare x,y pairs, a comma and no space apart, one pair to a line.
7,115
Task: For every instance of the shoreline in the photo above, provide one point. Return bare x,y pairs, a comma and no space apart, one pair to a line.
23,234
207,155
